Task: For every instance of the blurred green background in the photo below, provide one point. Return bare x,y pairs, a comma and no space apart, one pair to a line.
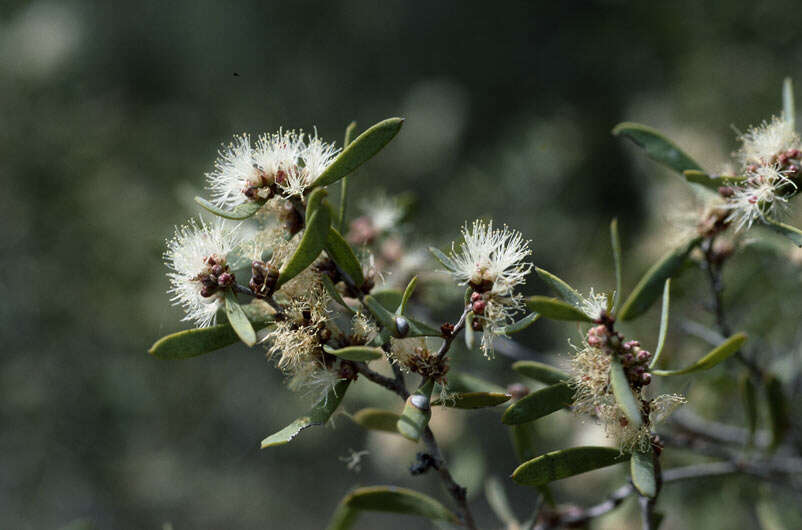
111,112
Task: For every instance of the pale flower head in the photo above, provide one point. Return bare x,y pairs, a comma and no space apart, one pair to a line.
763,143
595,305
761,196
196,257
277,155
316,156
234,172
491,259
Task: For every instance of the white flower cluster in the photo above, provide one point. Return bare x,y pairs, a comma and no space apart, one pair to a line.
491,262
770,157
286,161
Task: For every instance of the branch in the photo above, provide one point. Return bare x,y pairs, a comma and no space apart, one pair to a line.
458,492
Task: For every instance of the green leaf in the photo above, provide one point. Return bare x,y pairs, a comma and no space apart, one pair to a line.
713,182
402,307
566,463
462,383
657,147
523,436
444,260
335,295
651,285
318,415
499,503
470,335
615,243
343,519
538,404
641,468
779,418
355,353
541,372
791,232
749,395
377,419
192,342
362,149
390,299
390,321
623,394
718,354
417,412
243,211
340,251
519,325
661,336
312,243
350,131
555,309
473,400
789,113
239,320
563,290
392,499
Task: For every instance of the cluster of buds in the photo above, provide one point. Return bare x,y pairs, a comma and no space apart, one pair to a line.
634,359
788,163
263,278
423,362
215,276
263,187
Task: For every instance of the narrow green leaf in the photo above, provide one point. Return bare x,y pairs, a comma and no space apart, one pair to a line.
718,354
390,321
462,383
566,463
335,295
344,518
538,404
473,400
239,320
402,307
641,468
192,342
555,309
789,113
444,260
312,243
519,325
541,372
318,415
712,182
243,211
362,149
749,395
389,298
470,335
340,251
623,394
355,353
651,285
563,290
779,418
791,232
350,131
615,243
523,440
398,500
417,412
657,147
661,336
377,420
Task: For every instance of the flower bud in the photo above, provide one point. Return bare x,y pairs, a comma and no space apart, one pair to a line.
643,356
225,279
479,307
646,378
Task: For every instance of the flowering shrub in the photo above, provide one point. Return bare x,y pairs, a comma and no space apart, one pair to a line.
333,301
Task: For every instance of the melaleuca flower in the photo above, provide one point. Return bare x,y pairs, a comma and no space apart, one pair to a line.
765,144
413,355
280,163
491,262
199,274
761,196
593,394
595,305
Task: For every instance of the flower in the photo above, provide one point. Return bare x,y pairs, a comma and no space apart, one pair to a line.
595,305
492,262
196,257
764,143
762,195
280,162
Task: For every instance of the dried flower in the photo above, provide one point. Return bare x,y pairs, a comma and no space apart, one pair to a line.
764,143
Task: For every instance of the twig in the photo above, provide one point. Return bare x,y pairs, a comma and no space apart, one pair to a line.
459,493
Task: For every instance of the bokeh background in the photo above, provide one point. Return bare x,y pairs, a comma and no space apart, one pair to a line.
111,112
